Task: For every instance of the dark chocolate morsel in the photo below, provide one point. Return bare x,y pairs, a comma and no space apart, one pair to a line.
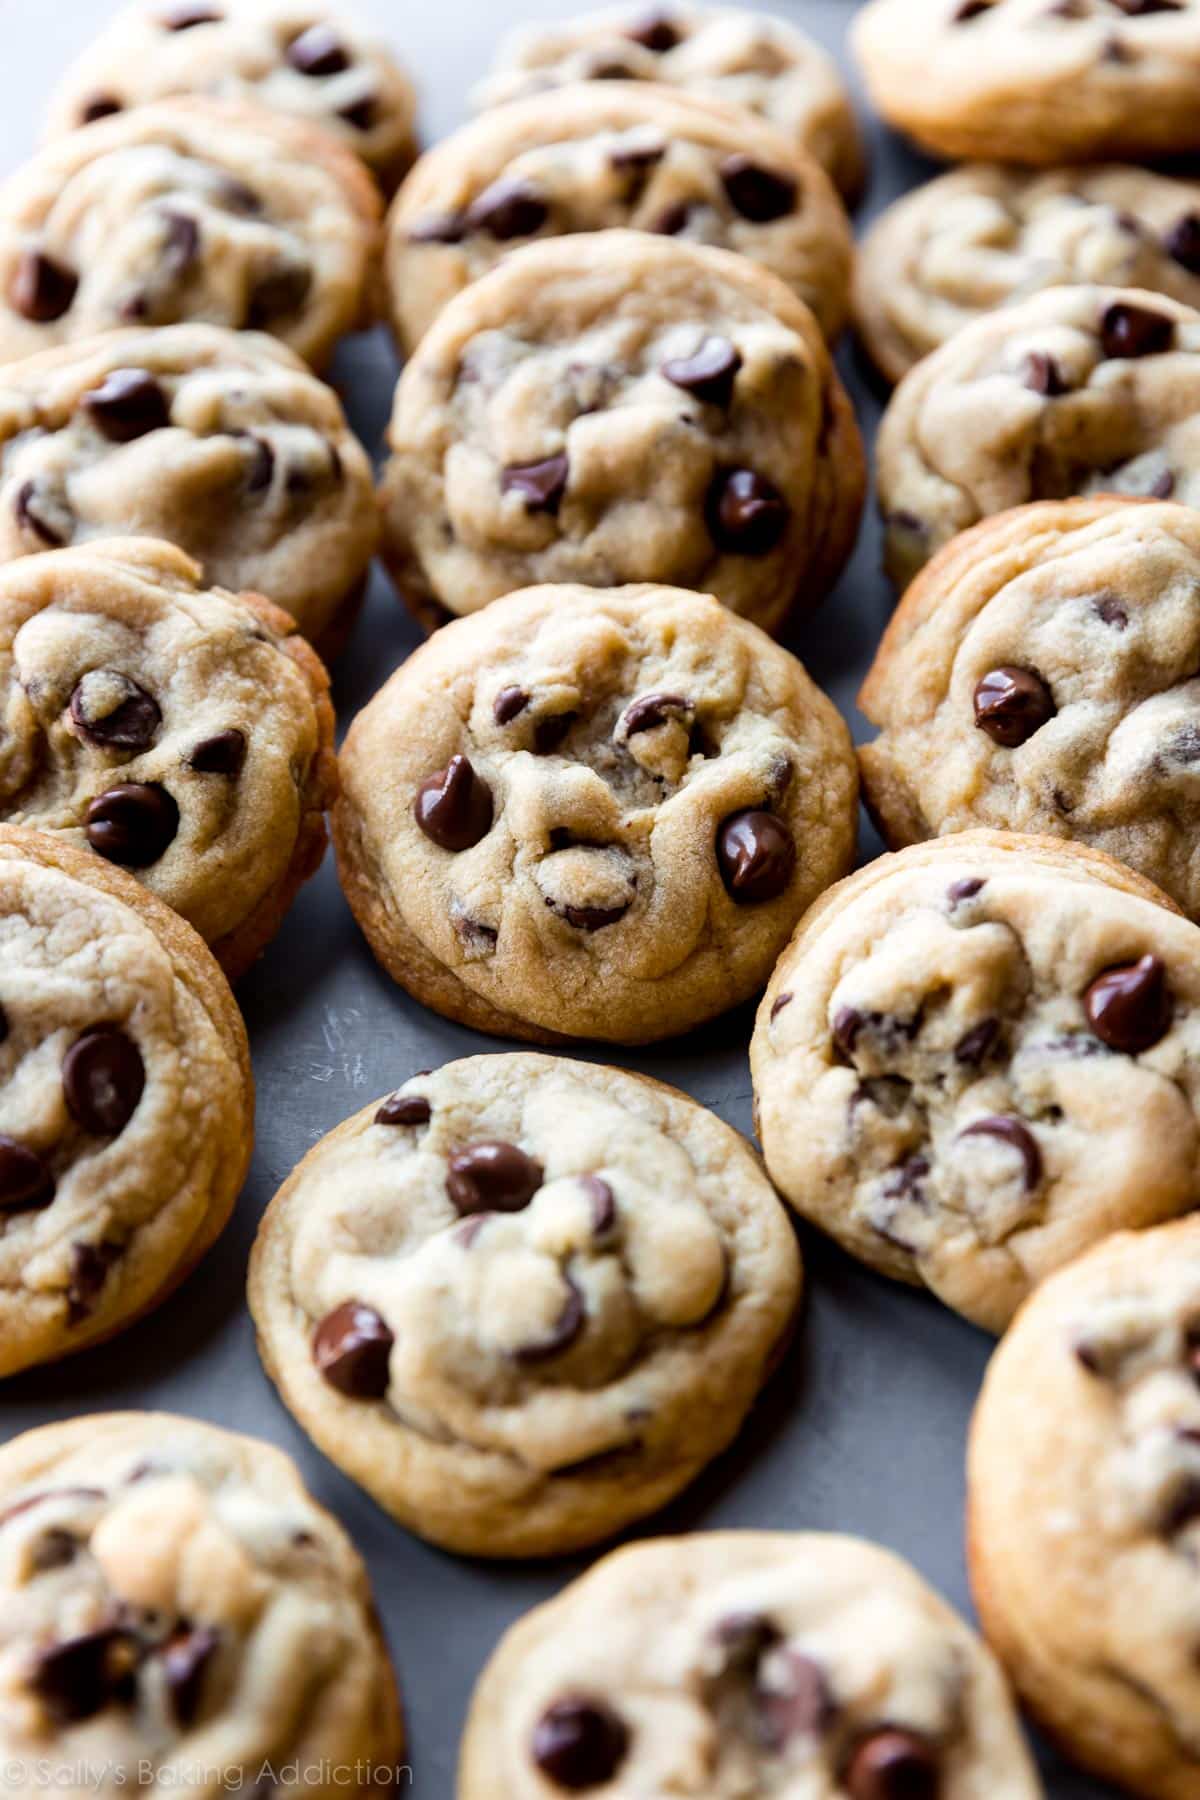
351,1348
360,113
223,754
277,293
652,710
891,1764
567,1327
966,889
42,289
439,228
579,1742
1011,704
509,702
83,1676
454,808
507,210
798,1702
186,1657
756,854
541,484
672,220
758,193
26,1184
32,516
656,31
103,1079
133,823
90,1264
974,1046
746,515
404,1109
847,1023
492,1177
318,51
550,731
779,1003
1128,330
1018,1137
3,1024
603,1203
1183,242
188,13
971,9
100,106
111,710
1043,375
181,246
710,374
1129,1007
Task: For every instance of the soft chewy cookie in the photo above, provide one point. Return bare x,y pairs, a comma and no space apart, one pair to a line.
178,1612
308,60
188,209
1077,390
978,1057
982,236
1084,1508
614,407
592,814
1025,81
1040,675
738,1663
221,442
604,155
126,1103
523,1301
748,60
182,732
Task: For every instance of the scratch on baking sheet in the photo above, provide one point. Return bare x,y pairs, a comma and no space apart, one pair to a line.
334,1031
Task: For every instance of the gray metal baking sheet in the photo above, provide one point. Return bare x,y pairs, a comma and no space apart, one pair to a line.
864,1428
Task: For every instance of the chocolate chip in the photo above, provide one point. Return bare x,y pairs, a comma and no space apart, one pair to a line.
673,219
351,1347
1127,330
592,918
847,1023
1043,375
1183,242
579,1743
100,106
360,113
404,1109
1136,8
637,156
797,1704
974,1046
492,1177
652,710
278,293
1163,486
132,824
90,1264
55,1549
1011,704
655,32
3,1024
779,1003
1109,611
508,209
603,1203
186,1657
746,515
1182,1508
710,374
540,484
893,1765
223,754
103,1077
31,511
112,711
185,16
1192,1353
550,731
318,51
454,807
758,193
181,243
77,1679
744,1639
26,1184
261,470
567,1328
238,197
509,702
965,889
1129,1007
756,855
439,228
41,288
971,9
1018,1137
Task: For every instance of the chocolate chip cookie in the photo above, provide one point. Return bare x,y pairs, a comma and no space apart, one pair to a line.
1084,1508
1077,390
604,155
179,1612
978,1057
304,59
126,1100
188,209
1035,81
221,442
1040,676
522,1300
181,732
746,1662
982,236
592,813
615,407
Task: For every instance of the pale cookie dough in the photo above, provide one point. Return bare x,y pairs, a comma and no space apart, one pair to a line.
1077,390
221,442
982,236
978,1057
1040,675
126,1101
1035,81
606,155
592,814
206,210
310,60
614,407
734,1664
180,1616
182,732
523,1301
1084,1509
746,59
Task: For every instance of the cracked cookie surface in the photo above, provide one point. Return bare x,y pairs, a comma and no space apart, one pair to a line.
1084,1508
126,1099
592,814
523,1300
977,1058
743,1664
179,1612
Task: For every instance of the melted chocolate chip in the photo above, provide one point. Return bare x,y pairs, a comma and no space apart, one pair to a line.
637,157
797,1704
1182,1508
567,1328
31,515
77,1679
454,807
507,210
745,1638
1109,611
579,1743
100,106
1018,1137
1183,242
278,293
974,1046
261,469
847,1023
672,220
1137,8
361,113
756,854
318,51
1011,704
90,1264
181,243
132,824
759,194
966,889
1129,1007
186,1657
223,754
103,1078
26,1184
650,711
110,710
1127,330
603,1203
439,228
592,918
541,484
657,32
893,1765
351,1347
184,16
41,288
971,9
404,1109
492,1177
550,731
1043,375
710,374
509,702
746,515
779,1003
1163,486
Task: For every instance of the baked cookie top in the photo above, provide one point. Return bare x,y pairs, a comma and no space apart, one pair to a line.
182,732
738,1663
1040,675
614,407
978,1057
982,236
179,1611
1084,1477
126,1102
593,813
524,1300
188,209
1077,390
1035,81
757,63
221,442
309,60
604,155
